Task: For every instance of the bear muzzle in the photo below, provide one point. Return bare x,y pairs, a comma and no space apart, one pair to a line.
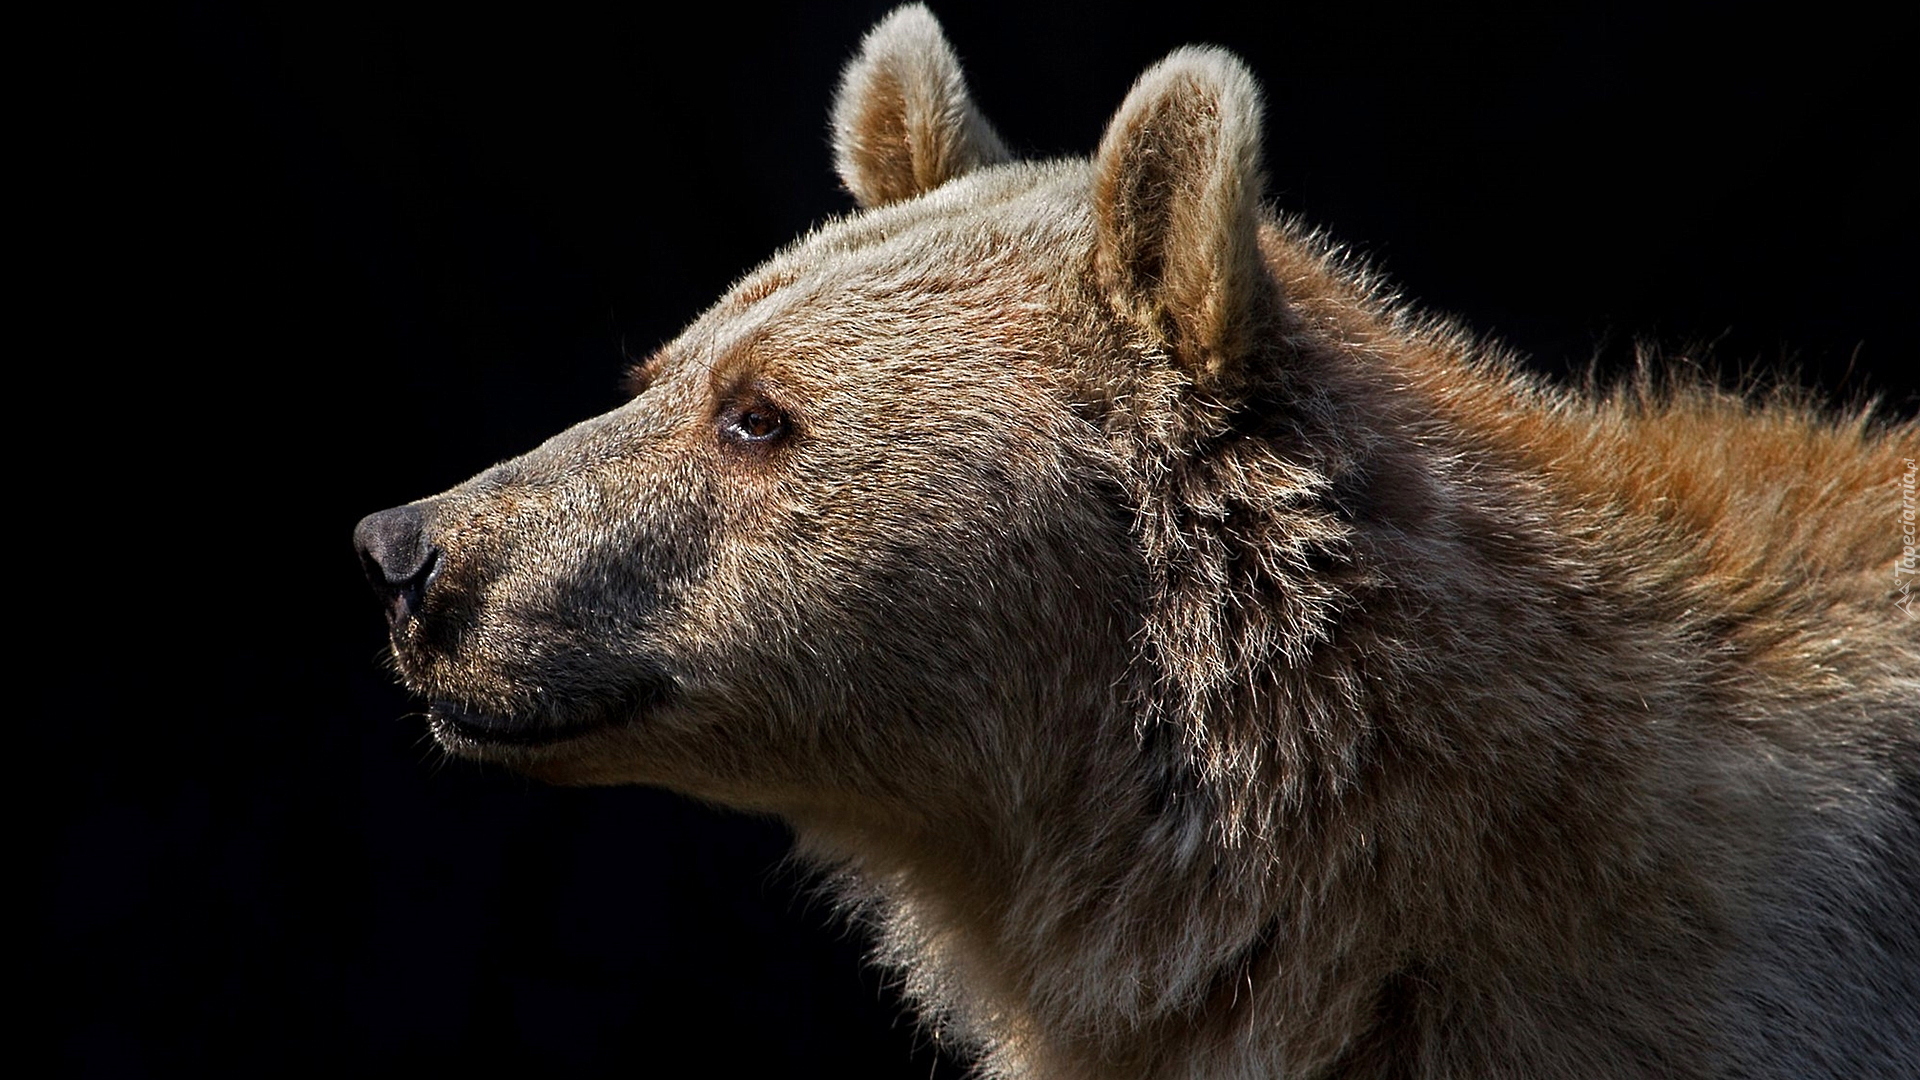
471,707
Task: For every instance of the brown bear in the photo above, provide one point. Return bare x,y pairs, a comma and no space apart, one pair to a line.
1201,666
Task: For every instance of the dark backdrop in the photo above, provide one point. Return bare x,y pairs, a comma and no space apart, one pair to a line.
340,256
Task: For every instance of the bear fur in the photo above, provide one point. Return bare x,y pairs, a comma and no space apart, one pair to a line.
1196,664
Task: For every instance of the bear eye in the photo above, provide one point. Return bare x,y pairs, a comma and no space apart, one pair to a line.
757,423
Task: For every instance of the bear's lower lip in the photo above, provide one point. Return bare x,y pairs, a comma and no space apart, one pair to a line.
448,718
456,725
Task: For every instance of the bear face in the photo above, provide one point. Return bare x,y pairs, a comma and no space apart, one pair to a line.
885,487
779,540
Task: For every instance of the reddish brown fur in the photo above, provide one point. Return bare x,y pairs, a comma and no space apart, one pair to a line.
1197,665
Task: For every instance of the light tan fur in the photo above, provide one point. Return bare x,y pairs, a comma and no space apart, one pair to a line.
1195,664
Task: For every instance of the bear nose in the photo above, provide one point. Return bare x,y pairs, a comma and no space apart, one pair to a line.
397,558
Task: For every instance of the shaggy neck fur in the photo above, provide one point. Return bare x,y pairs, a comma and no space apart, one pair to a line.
1338,798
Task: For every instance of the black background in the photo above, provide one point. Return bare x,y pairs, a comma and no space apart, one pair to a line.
327,258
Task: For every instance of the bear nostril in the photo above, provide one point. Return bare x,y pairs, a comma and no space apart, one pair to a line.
397,559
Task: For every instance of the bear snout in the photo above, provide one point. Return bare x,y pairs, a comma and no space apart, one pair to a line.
398,559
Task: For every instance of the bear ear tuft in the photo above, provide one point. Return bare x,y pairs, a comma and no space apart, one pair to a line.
903,123
1177,186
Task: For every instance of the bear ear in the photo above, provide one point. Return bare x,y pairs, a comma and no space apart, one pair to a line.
903,123
1176,197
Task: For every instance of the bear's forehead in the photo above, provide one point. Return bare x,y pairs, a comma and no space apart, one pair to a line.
1027,221
970,264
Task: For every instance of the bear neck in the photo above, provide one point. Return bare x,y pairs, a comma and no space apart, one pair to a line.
1253,826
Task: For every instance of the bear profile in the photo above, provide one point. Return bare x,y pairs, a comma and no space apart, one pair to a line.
1198,664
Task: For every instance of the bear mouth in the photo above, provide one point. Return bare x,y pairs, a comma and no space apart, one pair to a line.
457,727
452,722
